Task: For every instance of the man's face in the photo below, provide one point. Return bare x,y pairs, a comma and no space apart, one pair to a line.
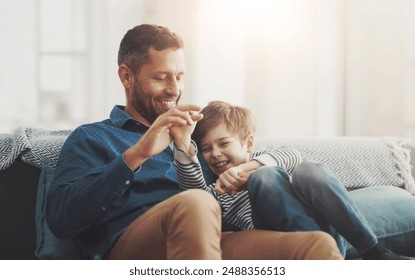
223,150
159,85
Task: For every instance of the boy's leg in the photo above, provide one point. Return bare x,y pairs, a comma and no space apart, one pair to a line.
327,200
276,206
185,226
274,245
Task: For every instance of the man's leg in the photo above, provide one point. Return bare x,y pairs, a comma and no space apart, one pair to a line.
186,226
274,245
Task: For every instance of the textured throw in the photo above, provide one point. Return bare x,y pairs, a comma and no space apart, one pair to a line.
32,146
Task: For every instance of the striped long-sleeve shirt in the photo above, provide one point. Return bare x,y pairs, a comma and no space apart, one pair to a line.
236,209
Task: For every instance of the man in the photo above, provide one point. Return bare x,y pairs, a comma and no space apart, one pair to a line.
115,188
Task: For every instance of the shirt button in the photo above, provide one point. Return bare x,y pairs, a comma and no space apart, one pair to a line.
127,182
104,208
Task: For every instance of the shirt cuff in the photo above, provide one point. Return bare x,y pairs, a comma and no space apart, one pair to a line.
184,158
125,163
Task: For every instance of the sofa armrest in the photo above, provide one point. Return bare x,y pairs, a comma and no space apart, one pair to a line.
18,188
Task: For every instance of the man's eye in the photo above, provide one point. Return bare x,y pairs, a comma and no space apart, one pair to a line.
161,78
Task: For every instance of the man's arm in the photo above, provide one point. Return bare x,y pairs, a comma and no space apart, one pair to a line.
89,177
84,185
174,123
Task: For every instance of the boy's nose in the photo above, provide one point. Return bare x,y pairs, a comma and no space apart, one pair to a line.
216,153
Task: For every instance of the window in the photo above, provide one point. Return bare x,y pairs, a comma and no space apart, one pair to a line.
63,56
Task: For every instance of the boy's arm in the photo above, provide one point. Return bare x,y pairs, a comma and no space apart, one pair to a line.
285,157
234,179
182,134
190,176
188,169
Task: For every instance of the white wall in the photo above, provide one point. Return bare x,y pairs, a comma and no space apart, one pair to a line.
380,76
18,99
304,67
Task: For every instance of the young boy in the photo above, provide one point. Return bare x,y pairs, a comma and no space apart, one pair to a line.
233,135
314,199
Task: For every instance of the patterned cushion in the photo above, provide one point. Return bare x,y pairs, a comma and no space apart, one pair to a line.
357,161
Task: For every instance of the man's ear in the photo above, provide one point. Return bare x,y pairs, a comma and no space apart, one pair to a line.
126,76
250,142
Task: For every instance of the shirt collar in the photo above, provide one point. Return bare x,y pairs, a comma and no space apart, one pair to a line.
119,117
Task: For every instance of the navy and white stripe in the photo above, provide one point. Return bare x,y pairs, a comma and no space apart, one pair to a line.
236,210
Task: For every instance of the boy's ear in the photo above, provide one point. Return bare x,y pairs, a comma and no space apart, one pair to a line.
250,142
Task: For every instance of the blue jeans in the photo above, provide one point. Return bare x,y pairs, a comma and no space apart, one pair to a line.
315,200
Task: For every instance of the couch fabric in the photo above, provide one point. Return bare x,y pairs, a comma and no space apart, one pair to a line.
18,187
377,171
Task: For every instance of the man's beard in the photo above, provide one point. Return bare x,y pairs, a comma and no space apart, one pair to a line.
144,104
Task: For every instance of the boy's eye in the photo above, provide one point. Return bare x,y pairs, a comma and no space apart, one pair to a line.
206,150
224,144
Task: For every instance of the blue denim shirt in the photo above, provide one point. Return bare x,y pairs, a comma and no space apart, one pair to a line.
94,195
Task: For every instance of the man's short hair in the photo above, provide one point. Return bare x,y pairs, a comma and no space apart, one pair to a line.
137,41
238,120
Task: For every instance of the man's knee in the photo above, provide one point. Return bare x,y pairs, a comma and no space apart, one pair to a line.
198,202
323,246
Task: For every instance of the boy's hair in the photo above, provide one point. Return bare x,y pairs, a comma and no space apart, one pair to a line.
137,41
238,120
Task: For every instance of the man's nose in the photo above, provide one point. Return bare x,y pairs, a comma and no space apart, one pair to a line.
174,87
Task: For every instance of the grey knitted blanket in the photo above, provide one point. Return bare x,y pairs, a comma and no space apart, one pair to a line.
33,146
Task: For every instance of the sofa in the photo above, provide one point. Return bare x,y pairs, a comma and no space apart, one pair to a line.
376,171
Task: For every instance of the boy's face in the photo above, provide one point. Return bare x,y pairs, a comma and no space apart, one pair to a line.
222,150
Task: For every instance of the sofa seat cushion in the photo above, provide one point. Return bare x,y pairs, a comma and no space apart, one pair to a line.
390,211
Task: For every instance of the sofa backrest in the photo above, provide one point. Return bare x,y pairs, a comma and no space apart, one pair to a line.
357,161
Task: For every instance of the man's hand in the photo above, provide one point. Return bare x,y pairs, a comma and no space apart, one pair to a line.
158,136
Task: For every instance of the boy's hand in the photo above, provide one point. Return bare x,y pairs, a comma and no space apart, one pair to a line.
182,133
232,181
